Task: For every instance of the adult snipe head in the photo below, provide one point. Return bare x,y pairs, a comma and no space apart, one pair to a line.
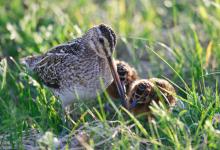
75,69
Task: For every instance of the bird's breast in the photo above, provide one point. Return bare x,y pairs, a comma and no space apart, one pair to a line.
84,80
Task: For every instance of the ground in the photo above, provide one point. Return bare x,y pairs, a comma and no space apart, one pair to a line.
176,40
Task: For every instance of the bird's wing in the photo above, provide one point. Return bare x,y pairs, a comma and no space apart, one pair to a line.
72,47
54,62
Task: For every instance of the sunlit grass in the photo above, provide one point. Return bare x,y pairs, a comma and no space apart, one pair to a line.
176,40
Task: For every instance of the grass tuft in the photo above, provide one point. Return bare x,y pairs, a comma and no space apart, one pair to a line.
176,40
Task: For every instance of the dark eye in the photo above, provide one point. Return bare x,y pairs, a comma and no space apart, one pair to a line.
101,40
121,70
142,87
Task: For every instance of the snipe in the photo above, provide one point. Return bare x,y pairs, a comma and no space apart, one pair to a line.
141,92
144,91
127,75
75,69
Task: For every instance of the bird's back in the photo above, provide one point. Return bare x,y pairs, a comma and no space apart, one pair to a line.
71,70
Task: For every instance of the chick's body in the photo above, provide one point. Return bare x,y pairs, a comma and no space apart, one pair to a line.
143,92
127,75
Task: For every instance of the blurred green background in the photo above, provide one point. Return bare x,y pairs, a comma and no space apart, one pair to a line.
175,39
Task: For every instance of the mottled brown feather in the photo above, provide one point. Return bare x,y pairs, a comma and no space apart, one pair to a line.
129,76
158,90
74,69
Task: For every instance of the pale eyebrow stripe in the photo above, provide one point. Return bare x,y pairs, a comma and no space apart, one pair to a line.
96,47
99,32
92,45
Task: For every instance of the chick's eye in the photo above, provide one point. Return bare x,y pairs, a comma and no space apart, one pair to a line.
101,40
142,87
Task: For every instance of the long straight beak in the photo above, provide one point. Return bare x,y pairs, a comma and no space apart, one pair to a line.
117,81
